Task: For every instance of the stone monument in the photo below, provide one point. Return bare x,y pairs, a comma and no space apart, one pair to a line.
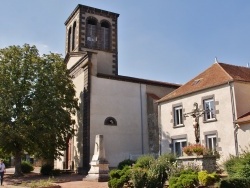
99,165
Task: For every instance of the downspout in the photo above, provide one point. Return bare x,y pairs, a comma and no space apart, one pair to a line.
142,145
160,128
234,119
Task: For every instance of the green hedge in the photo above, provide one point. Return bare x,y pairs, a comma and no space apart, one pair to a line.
235,182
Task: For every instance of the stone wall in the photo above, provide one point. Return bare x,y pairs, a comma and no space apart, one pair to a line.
202,162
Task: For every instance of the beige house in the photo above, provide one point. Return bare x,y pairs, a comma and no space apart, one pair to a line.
223,96
122,109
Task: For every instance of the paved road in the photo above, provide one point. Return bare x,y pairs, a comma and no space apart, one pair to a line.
74,181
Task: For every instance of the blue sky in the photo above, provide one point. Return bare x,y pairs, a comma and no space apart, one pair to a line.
165,40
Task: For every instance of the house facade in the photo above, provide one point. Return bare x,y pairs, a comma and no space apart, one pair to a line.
222,93
122,109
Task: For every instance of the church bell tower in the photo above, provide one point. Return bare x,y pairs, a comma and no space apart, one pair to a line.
94,30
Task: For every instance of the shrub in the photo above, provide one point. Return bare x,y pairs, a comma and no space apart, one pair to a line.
235,182
144,161
169,158
124,163
206,179
185,178
26,167
46,169
119,177
139,177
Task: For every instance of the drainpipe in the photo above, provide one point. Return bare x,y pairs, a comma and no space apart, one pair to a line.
160,127
142,145
234,119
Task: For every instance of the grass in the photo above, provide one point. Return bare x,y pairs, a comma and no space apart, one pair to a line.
37,184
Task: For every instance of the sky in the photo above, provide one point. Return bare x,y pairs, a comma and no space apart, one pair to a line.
163,40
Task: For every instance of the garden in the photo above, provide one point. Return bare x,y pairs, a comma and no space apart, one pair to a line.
167,171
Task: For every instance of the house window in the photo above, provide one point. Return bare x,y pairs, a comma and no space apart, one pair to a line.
209,108
211,142
178,116
178,144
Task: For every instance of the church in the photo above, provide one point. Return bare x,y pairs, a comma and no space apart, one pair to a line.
123,109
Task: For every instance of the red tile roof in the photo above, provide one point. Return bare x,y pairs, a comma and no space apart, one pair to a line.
217,74
243,119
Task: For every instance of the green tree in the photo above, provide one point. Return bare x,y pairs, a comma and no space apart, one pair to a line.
37,99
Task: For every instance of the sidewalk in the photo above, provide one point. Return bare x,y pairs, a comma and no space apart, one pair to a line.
65,181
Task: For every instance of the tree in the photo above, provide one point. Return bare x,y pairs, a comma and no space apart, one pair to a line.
37,100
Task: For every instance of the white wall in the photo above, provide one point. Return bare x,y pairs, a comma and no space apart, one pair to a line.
243,137
224,124
123,101
242,98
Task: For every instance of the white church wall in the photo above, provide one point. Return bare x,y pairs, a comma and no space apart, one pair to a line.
223,126
77,140
124,101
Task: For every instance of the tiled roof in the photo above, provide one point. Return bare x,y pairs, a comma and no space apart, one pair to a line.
138,80
217,74
244,119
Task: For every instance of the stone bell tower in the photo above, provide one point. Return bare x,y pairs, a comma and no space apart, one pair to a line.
93,30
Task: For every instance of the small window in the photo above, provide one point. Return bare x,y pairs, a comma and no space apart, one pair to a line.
209,108
211,142
178,116
110,121
73,36
178,144
69,39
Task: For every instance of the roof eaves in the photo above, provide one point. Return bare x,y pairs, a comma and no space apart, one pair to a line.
188,93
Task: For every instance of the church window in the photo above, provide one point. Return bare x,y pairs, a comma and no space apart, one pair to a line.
69,39
73,36
110,121
91,38
105,35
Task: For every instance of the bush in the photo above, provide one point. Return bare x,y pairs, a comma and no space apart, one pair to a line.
235,182
139,177
26,167
124,163
206,179
119,177
144,161
185,178
46,169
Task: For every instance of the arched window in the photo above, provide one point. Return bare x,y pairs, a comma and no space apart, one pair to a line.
69,39
91,38
105,35
73,36
110,121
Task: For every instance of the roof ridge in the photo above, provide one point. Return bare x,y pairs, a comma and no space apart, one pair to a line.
219,64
